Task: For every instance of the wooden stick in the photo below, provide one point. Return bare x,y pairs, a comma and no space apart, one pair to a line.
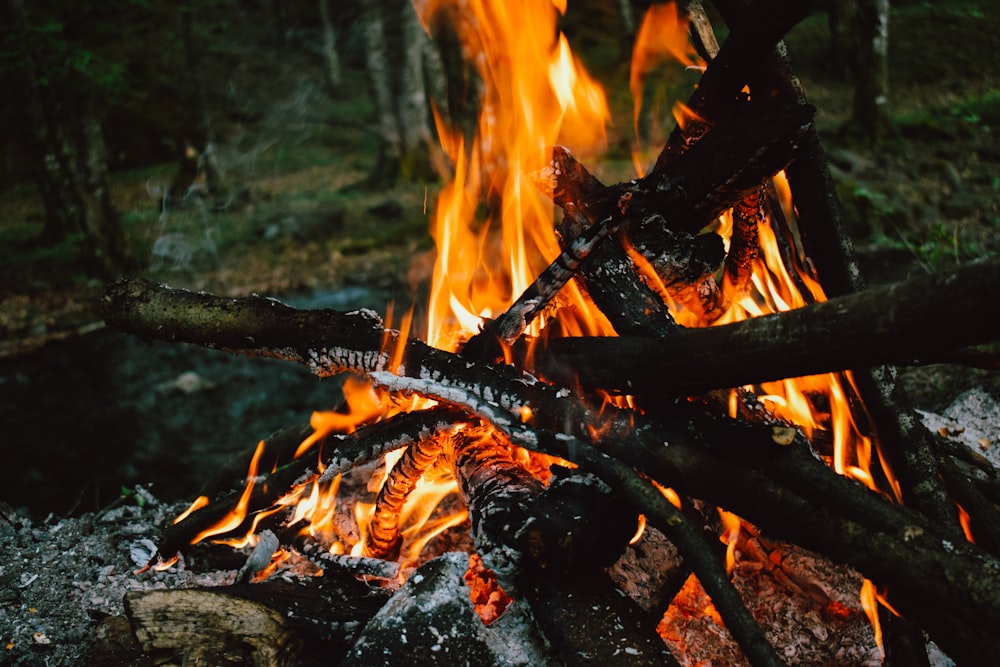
339,453
887,324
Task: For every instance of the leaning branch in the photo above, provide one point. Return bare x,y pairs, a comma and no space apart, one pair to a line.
900,323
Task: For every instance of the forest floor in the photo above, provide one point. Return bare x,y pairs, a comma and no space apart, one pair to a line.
923,200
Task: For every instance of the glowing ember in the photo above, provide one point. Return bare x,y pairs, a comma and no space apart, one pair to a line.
487,596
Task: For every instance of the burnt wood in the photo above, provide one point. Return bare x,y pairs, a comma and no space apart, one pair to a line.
681,451
823,228
897,323
339,453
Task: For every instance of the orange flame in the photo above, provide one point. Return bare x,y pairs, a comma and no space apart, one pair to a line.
774,289
731,531
662,37
363,404
535,94
869,603
236,516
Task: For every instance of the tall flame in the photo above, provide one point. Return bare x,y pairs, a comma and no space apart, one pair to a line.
813,402
534,94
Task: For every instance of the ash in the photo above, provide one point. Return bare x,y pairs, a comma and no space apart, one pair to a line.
63,582
972,419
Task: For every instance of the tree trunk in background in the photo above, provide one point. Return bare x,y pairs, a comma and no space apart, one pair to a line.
413,110
72,167
73,179
204,141
859,47
398,92
101,222
282,22
838,14
379,80
329,46
436,79
454,85
628,28
871,76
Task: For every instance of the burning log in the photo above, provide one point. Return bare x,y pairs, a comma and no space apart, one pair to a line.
828,245
492,393
938,311
573,610
548,545
731,160
431,620
498,493
383,539
538,539
929,313
338,453
824,237
689,193
748,214
752,39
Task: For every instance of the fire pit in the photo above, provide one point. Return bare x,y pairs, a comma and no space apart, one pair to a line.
591,451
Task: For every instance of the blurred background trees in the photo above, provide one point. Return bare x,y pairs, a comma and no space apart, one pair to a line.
95,88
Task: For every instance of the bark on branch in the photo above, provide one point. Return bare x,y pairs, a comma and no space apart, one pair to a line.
898,324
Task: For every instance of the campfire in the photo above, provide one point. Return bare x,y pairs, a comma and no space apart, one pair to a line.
617,431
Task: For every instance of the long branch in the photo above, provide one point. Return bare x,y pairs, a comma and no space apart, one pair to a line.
891,324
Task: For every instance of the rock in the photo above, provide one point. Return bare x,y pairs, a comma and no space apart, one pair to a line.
430,620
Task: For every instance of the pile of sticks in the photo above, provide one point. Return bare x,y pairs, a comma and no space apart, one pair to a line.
538,538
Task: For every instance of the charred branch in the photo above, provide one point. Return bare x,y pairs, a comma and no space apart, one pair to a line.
573,612
732,68
755,141
339,453
748,214
504,330
733,159
684,266
547,545
577,524
824,236
690,541
891,324
383,539
984,519
498,492
787,494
